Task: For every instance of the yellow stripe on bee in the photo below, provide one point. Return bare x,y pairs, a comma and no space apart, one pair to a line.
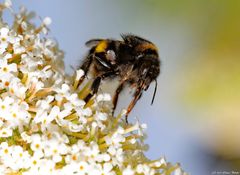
145,46
101,47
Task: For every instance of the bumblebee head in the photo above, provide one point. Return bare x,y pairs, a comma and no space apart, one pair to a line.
140,47
148,64
148,73
148,69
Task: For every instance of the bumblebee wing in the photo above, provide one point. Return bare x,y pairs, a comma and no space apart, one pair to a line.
93,42
103,62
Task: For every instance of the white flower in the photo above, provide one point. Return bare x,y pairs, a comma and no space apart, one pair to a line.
75,101
144,169
5,132
1,122
78,147
162,161
38,85
16,88
47,167
80,74
100,118
3,39
106,169
116,139
53,113
104,157
47,21
3,169
45,118
117,155
179,171
103,97
6,68
37,144
62,114
29,64
44,104
35,162
54,150
18,115
70,168
8,3
128,171
17,46
75,127
63,92
20,157
55,132
26,137
72,158
82,168
45,73
5,151
91,152
83,113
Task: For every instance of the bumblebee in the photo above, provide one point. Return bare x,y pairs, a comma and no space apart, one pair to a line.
133,60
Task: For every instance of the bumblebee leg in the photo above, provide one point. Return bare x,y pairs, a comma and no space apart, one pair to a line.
85,67
115,97
96,84
137,96
94,89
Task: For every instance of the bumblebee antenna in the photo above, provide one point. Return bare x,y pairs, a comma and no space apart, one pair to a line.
154,93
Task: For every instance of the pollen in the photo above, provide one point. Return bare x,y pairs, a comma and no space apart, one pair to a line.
34,162
74,157
6,151
5,69
81,168
6,83
12,91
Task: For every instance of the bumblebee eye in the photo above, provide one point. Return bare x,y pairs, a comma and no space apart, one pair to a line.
111,56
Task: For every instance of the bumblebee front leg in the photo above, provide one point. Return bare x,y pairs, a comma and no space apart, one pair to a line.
137,96
115,97
94,89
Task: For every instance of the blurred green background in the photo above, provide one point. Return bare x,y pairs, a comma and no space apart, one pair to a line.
195,119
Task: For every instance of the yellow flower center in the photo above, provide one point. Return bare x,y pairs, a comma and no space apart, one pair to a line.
74,157
5,69
6,151
81,167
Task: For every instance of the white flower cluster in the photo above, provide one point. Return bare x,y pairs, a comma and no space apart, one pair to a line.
46,127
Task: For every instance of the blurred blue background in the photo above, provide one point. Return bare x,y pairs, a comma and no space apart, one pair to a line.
195,117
